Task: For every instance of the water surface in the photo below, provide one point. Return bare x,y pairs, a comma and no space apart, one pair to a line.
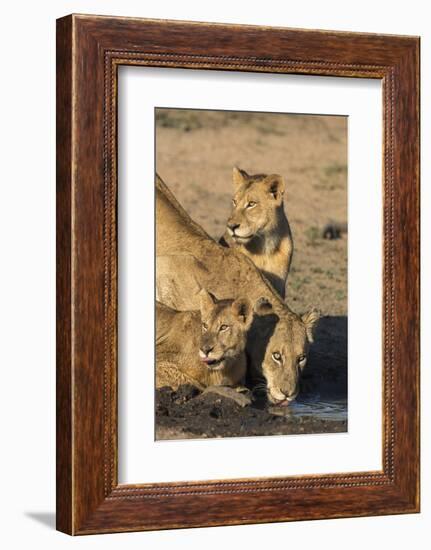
315,408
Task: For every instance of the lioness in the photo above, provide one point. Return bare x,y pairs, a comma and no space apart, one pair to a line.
187,260
203,348
258,225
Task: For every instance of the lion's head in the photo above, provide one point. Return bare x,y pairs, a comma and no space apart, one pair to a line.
224,328
280,348
257,205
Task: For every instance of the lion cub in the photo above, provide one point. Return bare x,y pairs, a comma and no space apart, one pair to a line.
203,348
258,225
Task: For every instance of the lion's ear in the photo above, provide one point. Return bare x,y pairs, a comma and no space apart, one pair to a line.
206,300
275,186
263,306
242,309
310,319
239,176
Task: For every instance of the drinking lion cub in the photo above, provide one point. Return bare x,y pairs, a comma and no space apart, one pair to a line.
203,348
258,225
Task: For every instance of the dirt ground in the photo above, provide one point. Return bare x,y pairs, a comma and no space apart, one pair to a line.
195,154
186,414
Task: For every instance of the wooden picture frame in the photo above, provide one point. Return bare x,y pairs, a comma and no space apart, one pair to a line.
89,51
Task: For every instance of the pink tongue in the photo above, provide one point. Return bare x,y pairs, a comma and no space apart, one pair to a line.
284,403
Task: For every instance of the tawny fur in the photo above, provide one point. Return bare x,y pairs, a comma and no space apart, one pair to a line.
258,225
188,260
180,336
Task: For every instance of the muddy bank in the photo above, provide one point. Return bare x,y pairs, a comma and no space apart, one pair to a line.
186,413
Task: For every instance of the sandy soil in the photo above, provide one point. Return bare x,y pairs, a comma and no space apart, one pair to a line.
195,153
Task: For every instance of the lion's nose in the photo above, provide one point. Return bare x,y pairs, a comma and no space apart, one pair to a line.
233,226
207,349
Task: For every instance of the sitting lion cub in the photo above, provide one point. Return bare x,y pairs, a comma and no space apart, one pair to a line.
258,225
203,348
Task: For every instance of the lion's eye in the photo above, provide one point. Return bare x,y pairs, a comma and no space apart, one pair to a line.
204,326
251,204
223,328
276,356
302,360
234,202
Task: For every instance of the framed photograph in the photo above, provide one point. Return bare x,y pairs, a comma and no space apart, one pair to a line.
237,274
253,213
